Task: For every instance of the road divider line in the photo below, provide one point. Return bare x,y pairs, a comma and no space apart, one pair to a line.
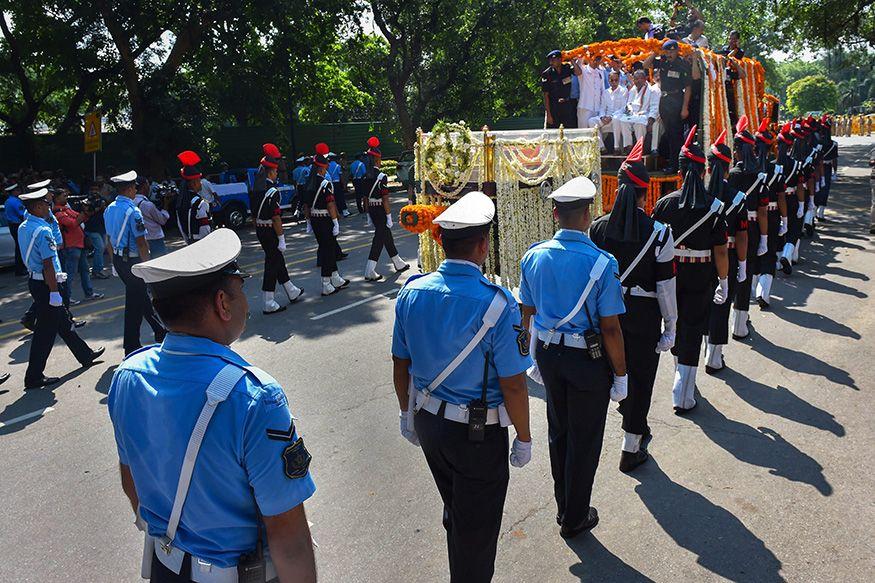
353,305
31,415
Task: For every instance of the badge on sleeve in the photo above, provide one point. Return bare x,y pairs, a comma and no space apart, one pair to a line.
296,460
522,340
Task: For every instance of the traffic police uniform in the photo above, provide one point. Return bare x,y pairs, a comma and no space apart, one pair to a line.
52,319
357,173
439,317
325,228
675,76
579,384
124,225
301,176
644,250
557,86
695,219
266,205
334,174
376,183
249,460
14,211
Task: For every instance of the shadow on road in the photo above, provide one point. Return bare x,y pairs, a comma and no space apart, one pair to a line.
721,542
33,400
799,361
599,565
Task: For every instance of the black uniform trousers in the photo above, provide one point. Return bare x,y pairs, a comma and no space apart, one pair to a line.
718,319
578,392
161,574
564,114
742,294
382,234
821,198
642,328
766,263
137,305
794,225
361,195
51,321
20,269
326,253
472,479
670,113
695,290
339,196
274,262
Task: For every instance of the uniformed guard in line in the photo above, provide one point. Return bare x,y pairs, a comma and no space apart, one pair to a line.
357,172
127,235
556,86
460,357
208,452
735,215
193,213
376,183
791,171
322,219
700,243
812,173
41,258
269,231
829,167
14,211
571,296
773,185
792,150
644,250
301,176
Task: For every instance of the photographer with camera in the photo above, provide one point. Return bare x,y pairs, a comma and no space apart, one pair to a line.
72,255
95,230
153,217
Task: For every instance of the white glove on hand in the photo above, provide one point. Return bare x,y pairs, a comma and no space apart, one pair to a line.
782,230
764,245
520,452
408,431
534,372
309,228
800,210
114,272
620,388
281,245
762,176
742,271
666,341
389,221
822,182
721,294
335,230
55,299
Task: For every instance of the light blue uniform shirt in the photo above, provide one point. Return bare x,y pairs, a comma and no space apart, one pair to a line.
114,218
553,276
155,399
334,171
437,314
357,169
300,175
38,231
14,210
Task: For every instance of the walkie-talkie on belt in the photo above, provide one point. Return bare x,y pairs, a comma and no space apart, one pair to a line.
477,410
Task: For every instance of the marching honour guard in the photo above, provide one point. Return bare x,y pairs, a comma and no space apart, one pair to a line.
193,214
700,243
40,250
127,234
570,295
269,230
644,250
735,215
460,391
209,455
791,224
773,185
380,212
322,219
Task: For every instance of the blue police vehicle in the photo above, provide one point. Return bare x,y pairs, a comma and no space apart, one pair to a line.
231,189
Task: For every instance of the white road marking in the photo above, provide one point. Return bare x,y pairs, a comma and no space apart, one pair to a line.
352,305
37,413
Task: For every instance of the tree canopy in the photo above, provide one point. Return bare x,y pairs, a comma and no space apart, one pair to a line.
812,93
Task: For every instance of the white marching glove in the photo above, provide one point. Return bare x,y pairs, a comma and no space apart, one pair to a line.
762,176
55,299
800,211
782,230
281,244
389,220
520,452
620,388
666,341
764,245
408,431
533,371
742,271
822,182
114,272
721,294
309,228
335,230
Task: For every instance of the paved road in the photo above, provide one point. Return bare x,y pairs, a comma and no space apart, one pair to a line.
767,480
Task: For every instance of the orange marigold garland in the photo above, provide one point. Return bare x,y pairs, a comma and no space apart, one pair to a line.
419,218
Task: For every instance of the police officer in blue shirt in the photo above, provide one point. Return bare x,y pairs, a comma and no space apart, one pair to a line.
357,172
41,258
127,236
460,358
208,452
334,172
300,176
575,326
14,211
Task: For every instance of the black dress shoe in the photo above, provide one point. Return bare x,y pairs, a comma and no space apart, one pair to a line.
629,461
95,354
683,411
568,532
786,266
28,323
79,323
403,269
39,383
712,370
4,377
764,305
342,256
646,438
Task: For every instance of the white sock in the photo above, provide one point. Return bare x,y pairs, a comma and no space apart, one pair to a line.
631,442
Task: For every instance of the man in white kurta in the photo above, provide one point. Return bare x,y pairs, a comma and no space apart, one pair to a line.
613,102
640,113
592,86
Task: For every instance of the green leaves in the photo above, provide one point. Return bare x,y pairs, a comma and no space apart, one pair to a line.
812,93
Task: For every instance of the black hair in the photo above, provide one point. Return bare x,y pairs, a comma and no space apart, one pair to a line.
189,308
568,213
642,20
464,247
697,23
734,33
